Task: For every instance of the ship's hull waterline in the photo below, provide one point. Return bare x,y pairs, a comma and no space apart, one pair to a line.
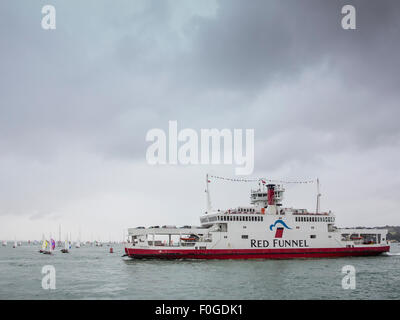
254,254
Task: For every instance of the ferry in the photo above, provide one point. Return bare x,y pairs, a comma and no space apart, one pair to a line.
263,230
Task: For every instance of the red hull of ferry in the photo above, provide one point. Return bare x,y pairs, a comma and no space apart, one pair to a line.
253,253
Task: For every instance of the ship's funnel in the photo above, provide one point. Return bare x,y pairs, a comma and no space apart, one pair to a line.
271,194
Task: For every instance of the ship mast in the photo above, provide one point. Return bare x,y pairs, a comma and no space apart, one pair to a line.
208,194
318,196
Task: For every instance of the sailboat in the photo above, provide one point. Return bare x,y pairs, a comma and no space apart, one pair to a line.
52,245
78,243
66,246
15,244
4,243
59,242
46,246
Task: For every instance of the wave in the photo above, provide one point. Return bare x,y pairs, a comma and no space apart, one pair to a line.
391,253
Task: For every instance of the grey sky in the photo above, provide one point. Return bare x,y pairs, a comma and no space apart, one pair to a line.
76,104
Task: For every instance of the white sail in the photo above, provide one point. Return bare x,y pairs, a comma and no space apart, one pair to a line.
44,244
66,244
78,243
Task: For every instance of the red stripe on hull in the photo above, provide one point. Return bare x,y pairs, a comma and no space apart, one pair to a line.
253,253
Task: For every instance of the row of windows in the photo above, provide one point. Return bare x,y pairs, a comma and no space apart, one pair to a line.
246,210
239,218
259,195
315,219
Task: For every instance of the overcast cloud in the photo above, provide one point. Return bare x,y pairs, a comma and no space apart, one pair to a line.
76,103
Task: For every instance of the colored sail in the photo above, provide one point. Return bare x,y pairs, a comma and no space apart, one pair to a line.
44,244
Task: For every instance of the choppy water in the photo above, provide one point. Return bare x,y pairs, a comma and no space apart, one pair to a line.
94,273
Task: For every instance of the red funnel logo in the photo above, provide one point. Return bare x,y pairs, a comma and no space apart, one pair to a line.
279,232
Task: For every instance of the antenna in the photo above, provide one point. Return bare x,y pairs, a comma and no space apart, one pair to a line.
318,196
208,194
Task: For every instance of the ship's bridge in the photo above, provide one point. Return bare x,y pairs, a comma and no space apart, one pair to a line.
271,194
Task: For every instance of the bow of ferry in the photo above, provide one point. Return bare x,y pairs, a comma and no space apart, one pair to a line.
264,230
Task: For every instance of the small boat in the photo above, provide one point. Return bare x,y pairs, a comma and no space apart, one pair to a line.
44,246
15,244
4,243
65,250
66,247
47,247
78,242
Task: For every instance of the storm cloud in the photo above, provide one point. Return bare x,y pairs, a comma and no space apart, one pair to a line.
76,103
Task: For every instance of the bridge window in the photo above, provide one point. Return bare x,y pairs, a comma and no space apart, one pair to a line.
313,236
245,236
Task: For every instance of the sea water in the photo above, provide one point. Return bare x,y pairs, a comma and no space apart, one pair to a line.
93,273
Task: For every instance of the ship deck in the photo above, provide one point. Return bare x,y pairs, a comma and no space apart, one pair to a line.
167,231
